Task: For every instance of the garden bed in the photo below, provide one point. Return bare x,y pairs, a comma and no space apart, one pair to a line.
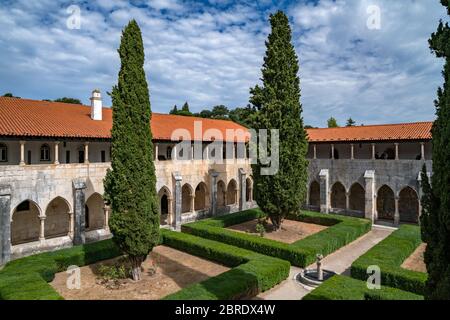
415,262
340,231
166,271
291,231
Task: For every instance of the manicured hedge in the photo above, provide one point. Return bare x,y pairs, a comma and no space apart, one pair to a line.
389,255
252,272
342,230
26,278
346,288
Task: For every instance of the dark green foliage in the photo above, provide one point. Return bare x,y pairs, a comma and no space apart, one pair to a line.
341,231
10,95
130,187
345,288
26,278
252,273
278,107
389,255
174,110
436,222
332,123
350,122
68,100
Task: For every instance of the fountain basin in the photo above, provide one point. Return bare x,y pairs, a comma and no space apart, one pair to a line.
309,277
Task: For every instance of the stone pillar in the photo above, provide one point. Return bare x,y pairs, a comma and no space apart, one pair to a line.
332,151
422,150
86,152
324,191
176,224
397,212
42,228
174,153
347,201
374,151
5,224
352,151
22,153
369,178
192,202
396,151
156,152
106,211
56,152
192,153
314,152
170,210
79,185
214,176
243,189
71,225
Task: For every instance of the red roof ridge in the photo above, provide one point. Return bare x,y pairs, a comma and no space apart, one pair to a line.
375,125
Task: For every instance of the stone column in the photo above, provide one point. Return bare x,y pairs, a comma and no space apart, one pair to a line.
374,151
314,152
56,152
106,211
170,210
397,212
422,150
324,191
5,224
352,151
22,153
156,152
369,178
86,152
42,228
71,225
192,153
176,223
79,185
396,151
332,151
192,203
214,176
347,201
243,189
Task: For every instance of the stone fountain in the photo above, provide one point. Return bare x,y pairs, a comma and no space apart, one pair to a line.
313,278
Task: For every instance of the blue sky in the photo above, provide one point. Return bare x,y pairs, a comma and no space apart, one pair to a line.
211,52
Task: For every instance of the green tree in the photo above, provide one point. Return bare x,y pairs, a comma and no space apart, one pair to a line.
174,110
350,122
220,112
10,95
332,123
243,116
278,107
68,100
436,219
130,187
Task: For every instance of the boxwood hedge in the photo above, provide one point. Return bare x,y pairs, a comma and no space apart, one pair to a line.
342,230
389,255
27,278
346,288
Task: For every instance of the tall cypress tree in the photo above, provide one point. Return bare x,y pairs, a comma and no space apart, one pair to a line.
436,214
278,107
130,187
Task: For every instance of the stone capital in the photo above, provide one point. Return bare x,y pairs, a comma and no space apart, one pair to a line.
177,176
79,184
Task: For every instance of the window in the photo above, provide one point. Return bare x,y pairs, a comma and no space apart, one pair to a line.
103,156
3,153
45,152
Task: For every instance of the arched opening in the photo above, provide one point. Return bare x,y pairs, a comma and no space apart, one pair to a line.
314,194
45,153
186,198
3,152
231,192
385,203
338,198
95,217
221,194
408,205
357,198
201,196
164,206
57,222
25,225
249,190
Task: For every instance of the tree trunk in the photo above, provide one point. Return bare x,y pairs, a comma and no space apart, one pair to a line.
276,222
136,263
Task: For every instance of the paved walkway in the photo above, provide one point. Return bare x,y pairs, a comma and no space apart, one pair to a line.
339,262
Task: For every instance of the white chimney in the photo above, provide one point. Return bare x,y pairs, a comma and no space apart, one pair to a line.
96,105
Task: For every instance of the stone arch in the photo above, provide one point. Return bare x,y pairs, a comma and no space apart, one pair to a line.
187,193
314,194
338,196
221,194
201,197
25,223
385,203
249,190
95,216
165,205
57,221
408,205
232,192
357,198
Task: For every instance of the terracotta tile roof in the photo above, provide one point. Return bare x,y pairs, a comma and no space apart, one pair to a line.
33,118
386,132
